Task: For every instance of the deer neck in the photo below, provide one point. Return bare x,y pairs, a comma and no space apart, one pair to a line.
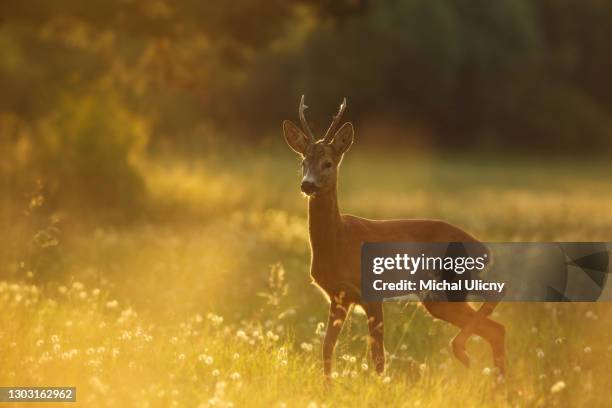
324,223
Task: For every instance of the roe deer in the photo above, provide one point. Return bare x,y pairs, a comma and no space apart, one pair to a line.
336,239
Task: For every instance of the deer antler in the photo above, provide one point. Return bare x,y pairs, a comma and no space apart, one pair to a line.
303,107
330,131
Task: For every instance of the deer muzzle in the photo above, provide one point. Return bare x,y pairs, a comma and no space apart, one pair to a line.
309,187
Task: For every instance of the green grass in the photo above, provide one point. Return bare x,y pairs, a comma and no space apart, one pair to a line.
130,314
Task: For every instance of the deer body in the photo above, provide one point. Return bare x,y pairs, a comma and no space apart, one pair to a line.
336,241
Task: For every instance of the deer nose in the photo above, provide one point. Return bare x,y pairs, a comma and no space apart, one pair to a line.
308,187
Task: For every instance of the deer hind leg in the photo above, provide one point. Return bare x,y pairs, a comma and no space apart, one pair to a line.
338,310
463,316
374,313
459,341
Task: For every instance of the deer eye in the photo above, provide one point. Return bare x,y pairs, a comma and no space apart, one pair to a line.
327,165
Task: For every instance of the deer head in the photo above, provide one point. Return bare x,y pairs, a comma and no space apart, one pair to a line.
320,158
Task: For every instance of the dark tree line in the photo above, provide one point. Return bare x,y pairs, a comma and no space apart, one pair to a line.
503,72
87,86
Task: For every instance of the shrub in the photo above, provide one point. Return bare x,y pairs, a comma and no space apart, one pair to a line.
85,153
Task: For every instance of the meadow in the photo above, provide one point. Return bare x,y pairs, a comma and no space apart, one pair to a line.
203,299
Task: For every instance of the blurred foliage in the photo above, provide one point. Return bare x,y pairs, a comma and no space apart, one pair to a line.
86,85
83,152
502,74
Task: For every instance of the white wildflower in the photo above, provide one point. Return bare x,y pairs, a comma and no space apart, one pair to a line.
557,387
112,304
306,347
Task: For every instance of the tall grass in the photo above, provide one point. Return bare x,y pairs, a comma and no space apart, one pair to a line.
206,300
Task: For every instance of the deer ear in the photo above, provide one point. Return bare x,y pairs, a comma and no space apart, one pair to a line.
343,139
296,139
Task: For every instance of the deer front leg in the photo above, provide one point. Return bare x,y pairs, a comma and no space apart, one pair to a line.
374,313
337,315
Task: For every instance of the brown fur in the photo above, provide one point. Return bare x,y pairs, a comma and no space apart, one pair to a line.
336,240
